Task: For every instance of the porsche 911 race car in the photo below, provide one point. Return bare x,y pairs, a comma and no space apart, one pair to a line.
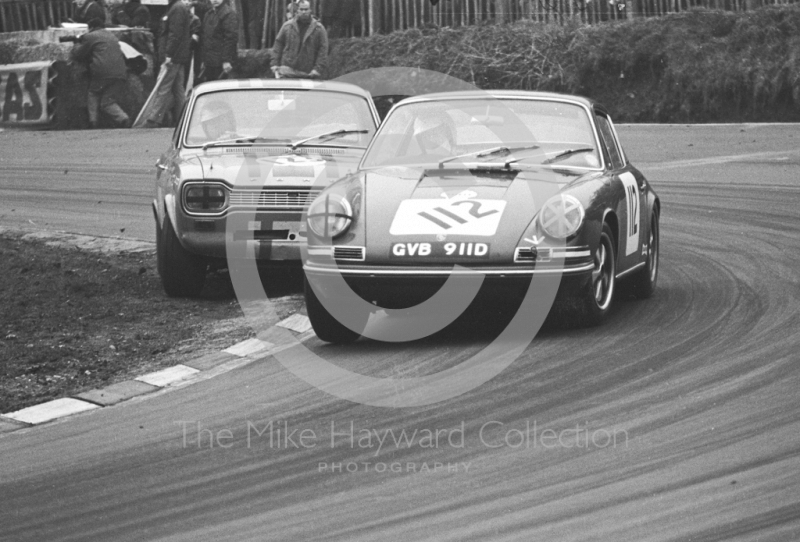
508,184
246,159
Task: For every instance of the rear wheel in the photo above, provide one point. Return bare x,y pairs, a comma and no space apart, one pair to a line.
598,293
325,325
182,273
643,284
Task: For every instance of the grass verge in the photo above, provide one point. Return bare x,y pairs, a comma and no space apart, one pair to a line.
74,320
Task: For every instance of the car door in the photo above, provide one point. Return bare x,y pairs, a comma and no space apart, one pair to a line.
632,199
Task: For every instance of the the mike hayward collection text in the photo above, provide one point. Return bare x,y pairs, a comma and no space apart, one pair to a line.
285,435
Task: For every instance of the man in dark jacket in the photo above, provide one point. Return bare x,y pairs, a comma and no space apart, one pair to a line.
301,47
88,10
175,48
100,49
132,13
218,40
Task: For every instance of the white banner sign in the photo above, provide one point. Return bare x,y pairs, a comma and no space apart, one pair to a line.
23,93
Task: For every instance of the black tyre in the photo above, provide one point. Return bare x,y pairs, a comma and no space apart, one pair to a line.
327,328
182,273
598,294
643,283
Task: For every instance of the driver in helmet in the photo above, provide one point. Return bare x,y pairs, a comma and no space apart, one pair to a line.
435,135
218,121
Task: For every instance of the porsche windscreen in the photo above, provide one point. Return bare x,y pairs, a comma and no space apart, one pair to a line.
486,131
280,117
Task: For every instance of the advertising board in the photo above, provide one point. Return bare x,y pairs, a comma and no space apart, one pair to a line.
23,93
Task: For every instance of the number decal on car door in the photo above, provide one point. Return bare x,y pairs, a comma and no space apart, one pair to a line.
632,201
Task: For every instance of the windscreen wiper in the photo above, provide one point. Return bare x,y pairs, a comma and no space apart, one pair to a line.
566,153
487,152
222,142
328,135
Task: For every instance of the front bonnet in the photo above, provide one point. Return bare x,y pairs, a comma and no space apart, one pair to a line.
259,167
492,207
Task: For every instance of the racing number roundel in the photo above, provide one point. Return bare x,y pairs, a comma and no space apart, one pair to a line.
632,201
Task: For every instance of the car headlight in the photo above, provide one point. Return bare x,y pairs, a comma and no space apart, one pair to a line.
205,198
329,216
561,216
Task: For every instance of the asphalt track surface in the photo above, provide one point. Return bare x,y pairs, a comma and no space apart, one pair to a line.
698,386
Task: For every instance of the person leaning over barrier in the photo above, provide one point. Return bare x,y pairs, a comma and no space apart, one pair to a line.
301,47
218,40
100,49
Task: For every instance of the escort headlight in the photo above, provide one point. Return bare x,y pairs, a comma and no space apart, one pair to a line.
561,216
329,216
204,198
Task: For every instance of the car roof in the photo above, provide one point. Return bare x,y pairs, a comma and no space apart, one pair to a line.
280,84
464,94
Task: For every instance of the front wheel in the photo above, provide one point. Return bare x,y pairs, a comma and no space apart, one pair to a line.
325,325
643,284
598,294
182,273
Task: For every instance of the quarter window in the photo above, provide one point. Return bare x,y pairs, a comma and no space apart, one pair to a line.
609,141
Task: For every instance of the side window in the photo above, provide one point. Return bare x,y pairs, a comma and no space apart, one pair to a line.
609,141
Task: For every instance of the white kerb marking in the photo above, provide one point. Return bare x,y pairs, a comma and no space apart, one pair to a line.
51,410
248,347
296,322
168,376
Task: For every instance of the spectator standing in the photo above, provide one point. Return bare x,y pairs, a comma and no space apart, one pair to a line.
175,48
301,47
291,7
133,14
88,10
100,50
219,40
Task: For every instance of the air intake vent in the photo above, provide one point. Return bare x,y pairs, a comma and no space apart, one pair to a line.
349,253
270,198
277,151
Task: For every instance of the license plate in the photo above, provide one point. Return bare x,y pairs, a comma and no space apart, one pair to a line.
450,249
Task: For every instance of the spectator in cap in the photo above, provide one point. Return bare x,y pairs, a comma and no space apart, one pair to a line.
100,50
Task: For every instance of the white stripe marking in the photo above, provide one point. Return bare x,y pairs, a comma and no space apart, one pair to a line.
167,376
296,322
51,410
248,347
776,155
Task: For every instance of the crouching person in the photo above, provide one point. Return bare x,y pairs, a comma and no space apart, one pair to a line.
100,50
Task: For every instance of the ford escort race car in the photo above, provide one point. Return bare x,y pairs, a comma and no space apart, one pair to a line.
245,160
508,184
